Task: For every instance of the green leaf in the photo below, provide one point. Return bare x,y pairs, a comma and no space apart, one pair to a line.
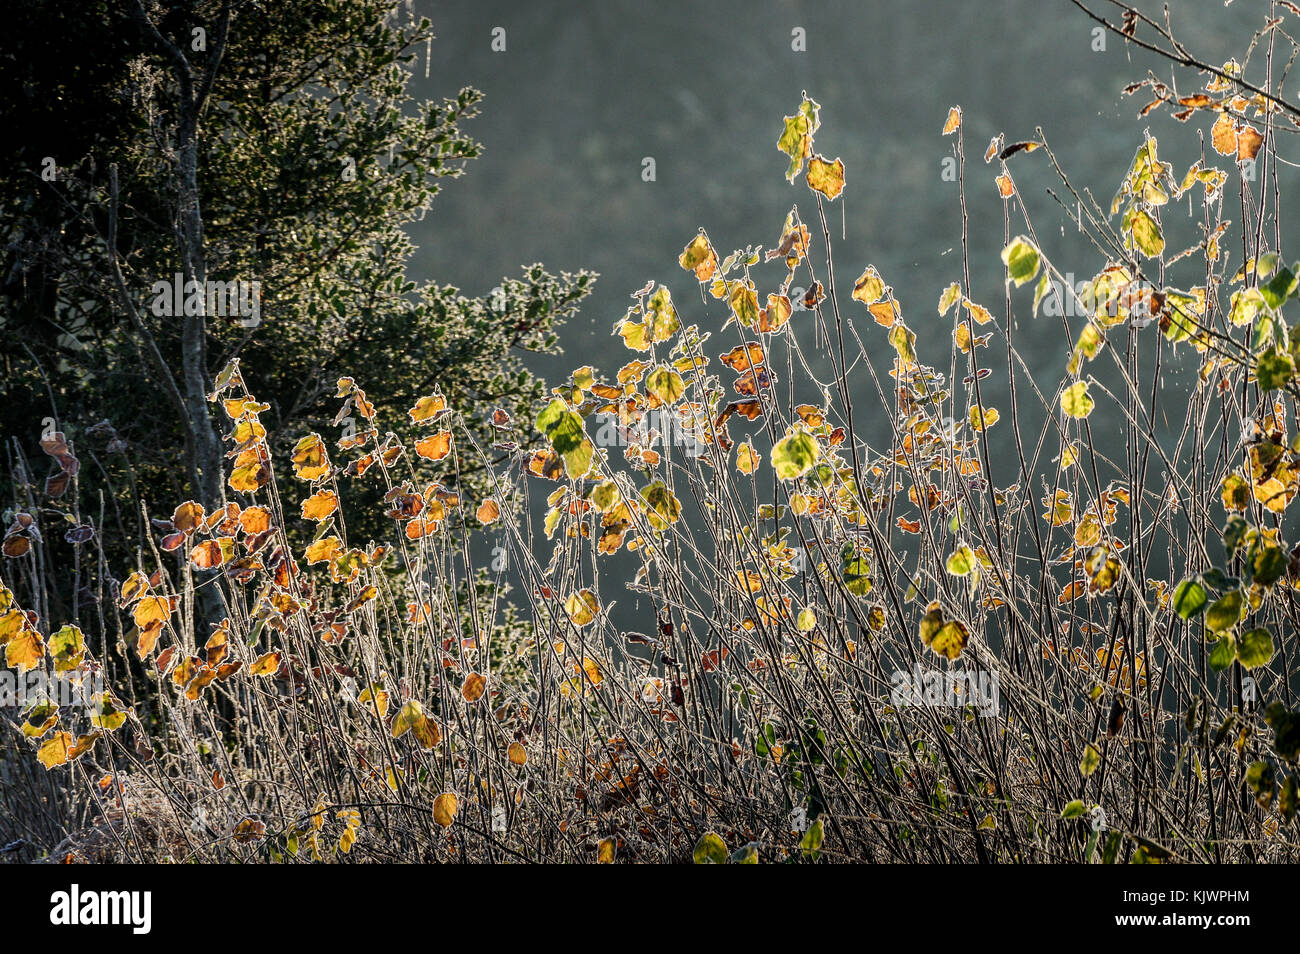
1274,369
1074,809
1021,259
563,428
1225,612
796,136
1255,648
662,508
1267,562
1076,401
1224,652
1190,598
1281,287
811,843
1111,849
746,854
794,456
855,570
710,850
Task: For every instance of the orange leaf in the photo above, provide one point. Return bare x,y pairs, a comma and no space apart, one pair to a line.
320,505
435,447
489,511
473,687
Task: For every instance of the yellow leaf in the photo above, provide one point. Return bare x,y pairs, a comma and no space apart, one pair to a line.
747,459
25,651
323,550
982,418
310,461
376,698
869,287
432,406
826,177
1076,402
55,750
582,607
978,312
951,295
699,257
605,851
268,664
953,122
444,809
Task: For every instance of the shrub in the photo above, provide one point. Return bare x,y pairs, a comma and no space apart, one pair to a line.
931,650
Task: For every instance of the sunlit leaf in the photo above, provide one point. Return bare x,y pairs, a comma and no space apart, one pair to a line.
582,607
563,428
1147,235
1076,401
662,506
951,295
710,850
473,687
961,562
869,287
1021,260
435,447
794,455
1255,648
54,751
444,809
428,408
825,176
796,136
68,648
945,637
699,257
1091,759
665,384
983,418
1190,598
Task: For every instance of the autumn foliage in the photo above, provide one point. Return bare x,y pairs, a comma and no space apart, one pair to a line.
411,698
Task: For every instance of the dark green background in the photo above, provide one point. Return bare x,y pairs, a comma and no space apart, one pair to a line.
584,91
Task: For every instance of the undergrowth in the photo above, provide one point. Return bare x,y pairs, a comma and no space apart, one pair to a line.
1072,644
